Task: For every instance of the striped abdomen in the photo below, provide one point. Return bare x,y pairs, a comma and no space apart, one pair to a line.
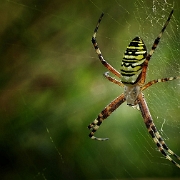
133,59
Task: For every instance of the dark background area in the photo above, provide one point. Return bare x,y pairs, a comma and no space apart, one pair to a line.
52,88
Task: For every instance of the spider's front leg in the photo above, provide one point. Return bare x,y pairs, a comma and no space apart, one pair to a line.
94,126
163,148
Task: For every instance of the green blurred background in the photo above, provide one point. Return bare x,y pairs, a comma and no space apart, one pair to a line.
51,88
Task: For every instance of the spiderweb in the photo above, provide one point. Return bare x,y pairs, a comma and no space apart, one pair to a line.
52,88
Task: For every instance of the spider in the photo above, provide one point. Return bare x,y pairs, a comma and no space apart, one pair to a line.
133,74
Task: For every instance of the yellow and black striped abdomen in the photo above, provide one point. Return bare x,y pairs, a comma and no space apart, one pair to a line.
133,59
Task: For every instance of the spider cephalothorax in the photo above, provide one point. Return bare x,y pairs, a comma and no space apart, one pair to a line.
133,74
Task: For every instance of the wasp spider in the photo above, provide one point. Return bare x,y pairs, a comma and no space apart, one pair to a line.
133,74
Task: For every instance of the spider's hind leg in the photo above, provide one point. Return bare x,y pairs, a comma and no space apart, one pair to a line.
97,49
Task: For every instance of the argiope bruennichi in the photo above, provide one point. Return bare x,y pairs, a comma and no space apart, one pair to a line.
133,74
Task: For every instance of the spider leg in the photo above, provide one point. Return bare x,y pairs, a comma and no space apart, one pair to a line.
95,44
158,81
154,46
163,143
94,126
163,148
115,81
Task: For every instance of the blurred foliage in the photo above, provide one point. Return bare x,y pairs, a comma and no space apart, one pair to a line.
51,88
